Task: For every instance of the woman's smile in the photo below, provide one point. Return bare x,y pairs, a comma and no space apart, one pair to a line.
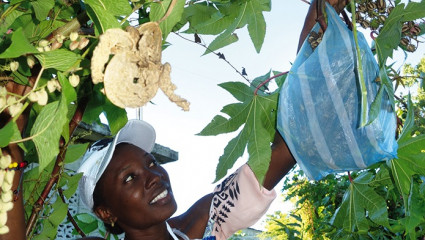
162,197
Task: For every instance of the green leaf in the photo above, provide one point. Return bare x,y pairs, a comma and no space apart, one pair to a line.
47,131
413,152
239,90
19,78
409,123
159,9
45,27
42,8
48,231
115,7
402,175
20,46
220,124
59,212
257,114
375,107
234,150
10,18
6,133
71,184
94,106
60,59
228,37
86,218
358,199
390,35
116,116
67,89
415,211
102,13
206,19
259,141
258,80
74,152
256,23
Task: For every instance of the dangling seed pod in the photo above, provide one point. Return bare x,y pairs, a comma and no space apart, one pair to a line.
56,45
359,16
381,4
405,28
382,18
415,30
411,48
361,8
389,9
404,41
365,24
370,6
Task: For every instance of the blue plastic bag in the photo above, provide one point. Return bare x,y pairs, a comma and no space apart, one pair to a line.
319,106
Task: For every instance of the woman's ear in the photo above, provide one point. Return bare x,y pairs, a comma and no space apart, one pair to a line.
105,214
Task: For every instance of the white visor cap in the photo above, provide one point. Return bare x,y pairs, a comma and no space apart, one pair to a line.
98,156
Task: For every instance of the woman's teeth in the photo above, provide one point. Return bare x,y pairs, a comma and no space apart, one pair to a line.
160,196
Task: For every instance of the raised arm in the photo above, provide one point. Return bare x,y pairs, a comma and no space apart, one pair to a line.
311,17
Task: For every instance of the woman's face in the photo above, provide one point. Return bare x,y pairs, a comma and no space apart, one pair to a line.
136,189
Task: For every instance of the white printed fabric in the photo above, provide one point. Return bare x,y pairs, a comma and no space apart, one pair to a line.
238,202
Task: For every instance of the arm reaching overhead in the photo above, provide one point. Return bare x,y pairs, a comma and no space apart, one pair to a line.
311,16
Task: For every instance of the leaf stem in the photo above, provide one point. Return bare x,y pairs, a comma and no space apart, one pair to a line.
363,113
268,80
349,177
68,214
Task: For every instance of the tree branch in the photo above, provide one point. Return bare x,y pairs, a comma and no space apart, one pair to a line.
70,218
38,205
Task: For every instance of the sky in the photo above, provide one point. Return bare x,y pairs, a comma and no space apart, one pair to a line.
197,77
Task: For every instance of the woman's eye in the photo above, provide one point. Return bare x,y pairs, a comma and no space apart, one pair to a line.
129,178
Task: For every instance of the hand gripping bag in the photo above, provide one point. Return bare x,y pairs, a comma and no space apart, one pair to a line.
319,106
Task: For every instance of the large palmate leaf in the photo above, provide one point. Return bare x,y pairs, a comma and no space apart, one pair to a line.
358,200
205,19
411,155
390,35
255,114
228,17
47,130
256,23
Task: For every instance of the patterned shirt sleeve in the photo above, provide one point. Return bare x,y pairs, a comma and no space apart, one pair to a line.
238,202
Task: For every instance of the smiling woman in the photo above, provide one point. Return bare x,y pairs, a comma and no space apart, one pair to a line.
130,192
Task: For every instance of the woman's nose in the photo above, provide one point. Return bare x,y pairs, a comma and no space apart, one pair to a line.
153,178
